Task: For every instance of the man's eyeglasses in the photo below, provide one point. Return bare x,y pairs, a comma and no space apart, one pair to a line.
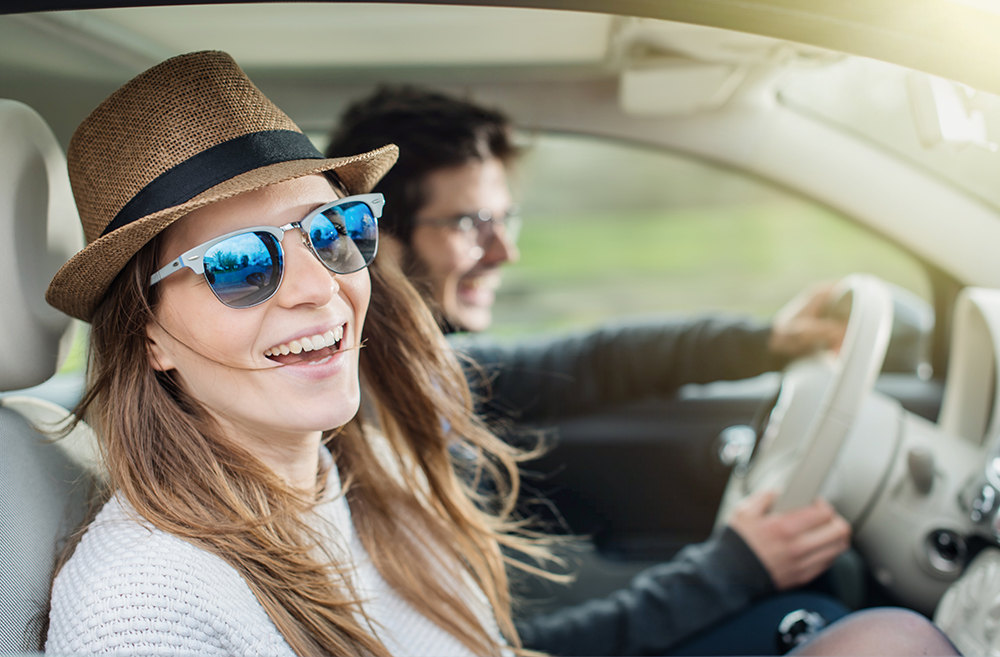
480,227
244,268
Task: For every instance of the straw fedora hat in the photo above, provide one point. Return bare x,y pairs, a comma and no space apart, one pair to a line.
188,132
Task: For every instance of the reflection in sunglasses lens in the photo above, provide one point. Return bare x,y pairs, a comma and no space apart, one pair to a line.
345,237
244,270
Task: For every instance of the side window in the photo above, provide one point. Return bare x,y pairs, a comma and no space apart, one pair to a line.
612,229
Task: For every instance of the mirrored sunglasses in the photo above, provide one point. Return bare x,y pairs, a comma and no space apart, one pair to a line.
244,268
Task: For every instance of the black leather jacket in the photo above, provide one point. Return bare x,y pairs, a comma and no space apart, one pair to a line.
662,606
549,379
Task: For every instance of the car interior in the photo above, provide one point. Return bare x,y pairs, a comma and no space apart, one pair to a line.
861,153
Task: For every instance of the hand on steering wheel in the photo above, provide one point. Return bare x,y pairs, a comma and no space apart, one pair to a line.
804,326
795,547
819,400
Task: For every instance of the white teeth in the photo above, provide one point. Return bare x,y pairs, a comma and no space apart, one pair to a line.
318,341
480,281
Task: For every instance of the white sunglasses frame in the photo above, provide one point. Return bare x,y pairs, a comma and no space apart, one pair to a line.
193,258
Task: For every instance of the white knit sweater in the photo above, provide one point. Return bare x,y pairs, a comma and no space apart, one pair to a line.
131,588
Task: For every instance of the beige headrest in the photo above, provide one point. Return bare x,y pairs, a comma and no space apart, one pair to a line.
39,231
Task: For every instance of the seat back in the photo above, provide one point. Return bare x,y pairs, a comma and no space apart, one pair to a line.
44,492
43,485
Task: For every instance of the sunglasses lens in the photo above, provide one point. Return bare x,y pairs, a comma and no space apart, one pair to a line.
345,237
245,269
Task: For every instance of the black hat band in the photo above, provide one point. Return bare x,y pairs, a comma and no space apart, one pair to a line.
212,166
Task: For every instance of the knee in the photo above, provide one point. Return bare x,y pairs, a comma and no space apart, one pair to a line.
883,631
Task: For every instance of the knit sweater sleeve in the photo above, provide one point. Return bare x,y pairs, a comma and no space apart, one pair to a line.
130,588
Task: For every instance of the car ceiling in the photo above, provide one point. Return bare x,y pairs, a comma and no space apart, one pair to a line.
312,56
309,37
951,38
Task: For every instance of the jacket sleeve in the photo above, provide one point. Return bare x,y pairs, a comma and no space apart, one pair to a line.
551,378
664,604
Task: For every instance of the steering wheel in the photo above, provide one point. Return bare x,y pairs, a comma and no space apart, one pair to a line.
819,399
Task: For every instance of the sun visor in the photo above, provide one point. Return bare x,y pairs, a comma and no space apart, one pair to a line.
677,87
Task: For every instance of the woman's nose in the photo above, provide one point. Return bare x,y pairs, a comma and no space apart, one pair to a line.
306,281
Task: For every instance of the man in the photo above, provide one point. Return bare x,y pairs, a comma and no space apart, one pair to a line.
446,223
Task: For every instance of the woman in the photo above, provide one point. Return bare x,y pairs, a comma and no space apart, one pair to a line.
230,528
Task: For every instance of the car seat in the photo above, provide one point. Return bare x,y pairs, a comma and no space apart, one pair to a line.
44,484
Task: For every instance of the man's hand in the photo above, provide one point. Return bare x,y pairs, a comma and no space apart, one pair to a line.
796,546
802,327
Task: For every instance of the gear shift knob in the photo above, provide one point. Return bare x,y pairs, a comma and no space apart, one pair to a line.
796,628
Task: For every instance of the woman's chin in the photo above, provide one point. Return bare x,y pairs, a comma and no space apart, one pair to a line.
315,410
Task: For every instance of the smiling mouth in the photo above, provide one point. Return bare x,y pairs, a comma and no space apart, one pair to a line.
477,282
478,290
314,349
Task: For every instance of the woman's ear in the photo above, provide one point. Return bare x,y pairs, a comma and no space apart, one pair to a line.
159,358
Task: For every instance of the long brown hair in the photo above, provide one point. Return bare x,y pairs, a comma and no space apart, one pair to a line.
407,507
